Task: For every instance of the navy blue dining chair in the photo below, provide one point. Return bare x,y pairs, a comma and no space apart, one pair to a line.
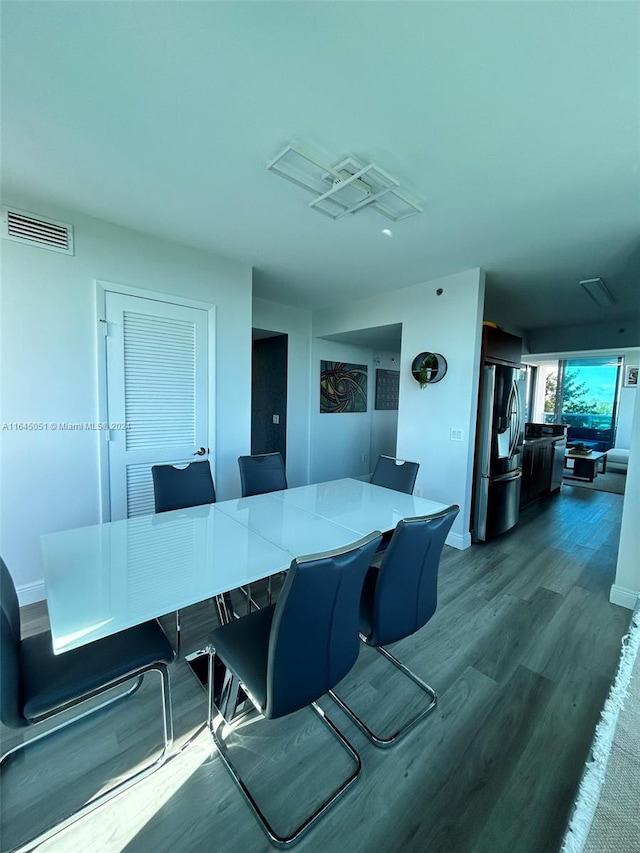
36,685
261,473
182,487
288,655
396,474
398,598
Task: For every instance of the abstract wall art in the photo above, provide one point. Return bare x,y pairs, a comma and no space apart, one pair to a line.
343,387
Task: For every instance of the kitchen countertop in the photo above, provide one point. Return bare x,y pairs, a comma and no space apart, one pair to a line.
543,438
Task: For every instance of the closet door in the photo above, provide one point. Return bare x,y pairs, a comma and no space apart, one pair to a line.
157,394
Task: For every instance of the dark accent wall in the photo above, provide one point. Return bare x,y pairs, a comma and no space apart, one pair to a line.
269,395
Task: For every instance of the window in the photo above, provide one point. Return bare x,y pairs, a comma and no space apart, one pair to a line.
583,393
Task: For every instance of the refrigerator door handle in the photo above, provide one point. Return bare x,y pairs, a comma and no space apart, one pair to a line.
507,478
514,407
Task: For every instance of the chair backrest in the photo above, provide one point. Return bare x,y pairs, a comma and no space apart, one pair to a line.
10,713
314,633
179,488
401,595
261,473
395,474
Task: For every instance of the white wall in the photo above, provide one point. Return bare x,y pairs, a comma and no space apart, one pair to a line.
295,323
450,324
340,443
384,423
627,403
627,584
49,371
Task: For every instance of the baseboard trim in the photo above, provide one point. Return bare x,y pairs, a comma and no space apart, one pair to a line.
459,541
624,596
29,593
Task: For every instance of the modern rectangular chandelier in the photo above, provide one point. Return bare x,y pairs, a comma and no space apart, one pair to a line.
347,187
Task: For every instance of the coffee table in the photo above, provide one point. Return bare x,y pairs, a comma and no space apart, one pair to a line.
585,465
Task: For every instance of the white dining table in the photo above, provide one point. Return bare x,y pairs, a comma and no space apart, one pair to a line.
107,577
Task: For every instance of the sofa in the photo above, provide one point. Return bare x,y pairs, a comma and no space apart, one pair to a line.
598,440
617,460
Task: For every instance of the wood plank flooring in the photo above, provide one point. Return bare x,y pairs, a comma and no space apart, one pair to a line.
522,651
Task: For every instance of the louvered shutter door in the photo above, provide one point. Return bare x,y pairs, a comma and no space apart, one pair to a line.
159,381
157,365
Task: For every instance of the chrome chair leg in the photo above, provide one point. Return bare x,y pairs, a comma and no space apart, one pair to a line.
119,787
380,740
274,837
246,591
223,609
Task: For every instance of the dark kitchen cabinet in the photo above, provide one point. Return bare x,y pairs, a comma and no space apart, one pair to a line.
500,347
537,465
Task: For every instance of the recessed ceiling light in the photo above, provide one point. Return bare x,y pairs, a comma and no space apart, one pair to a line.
387,232
598,291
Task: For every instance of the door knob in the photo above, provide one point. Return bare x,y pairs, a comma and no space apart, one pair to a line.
200,451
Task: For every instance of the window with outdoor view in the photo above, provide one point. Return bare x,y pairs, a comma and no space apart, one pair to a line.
583,393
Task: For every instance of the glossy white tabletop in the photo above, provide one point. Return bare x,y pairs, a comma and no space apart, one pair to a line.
290,527
358,505
107,577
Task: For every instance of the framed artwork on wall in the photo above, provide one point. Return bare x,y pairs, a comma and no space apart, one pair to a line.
343,387
387,389
631,376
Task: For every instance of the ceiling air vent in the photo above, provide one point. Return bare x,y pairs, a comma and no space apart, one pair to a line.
35,230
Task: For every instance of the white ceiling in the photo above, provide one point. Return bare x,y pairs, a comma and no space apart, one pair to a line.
514,124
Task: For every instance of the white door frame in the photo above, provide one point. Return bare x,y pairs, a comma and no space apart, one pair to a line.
101,289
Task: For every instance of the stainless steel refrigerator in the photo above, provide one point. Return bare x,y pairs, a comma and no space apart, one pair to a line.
500,439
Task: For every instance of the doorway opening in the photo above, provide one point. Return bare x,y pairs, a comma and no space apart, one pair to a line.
269,392
348,445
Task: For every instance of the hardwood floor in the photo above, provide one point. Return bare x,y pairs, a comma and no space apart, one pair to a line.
522,651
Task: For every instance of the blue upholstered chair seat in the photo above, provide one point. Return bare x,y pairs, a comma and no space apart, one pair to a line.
244,646
50,682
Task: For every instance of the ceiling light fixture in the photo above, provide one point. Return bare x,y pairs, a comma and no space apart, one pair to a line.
387,232
598,291
347,187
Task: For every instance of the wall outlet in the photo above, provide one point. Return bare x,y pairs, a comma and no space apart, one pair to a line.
363,457
456,435
276,419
